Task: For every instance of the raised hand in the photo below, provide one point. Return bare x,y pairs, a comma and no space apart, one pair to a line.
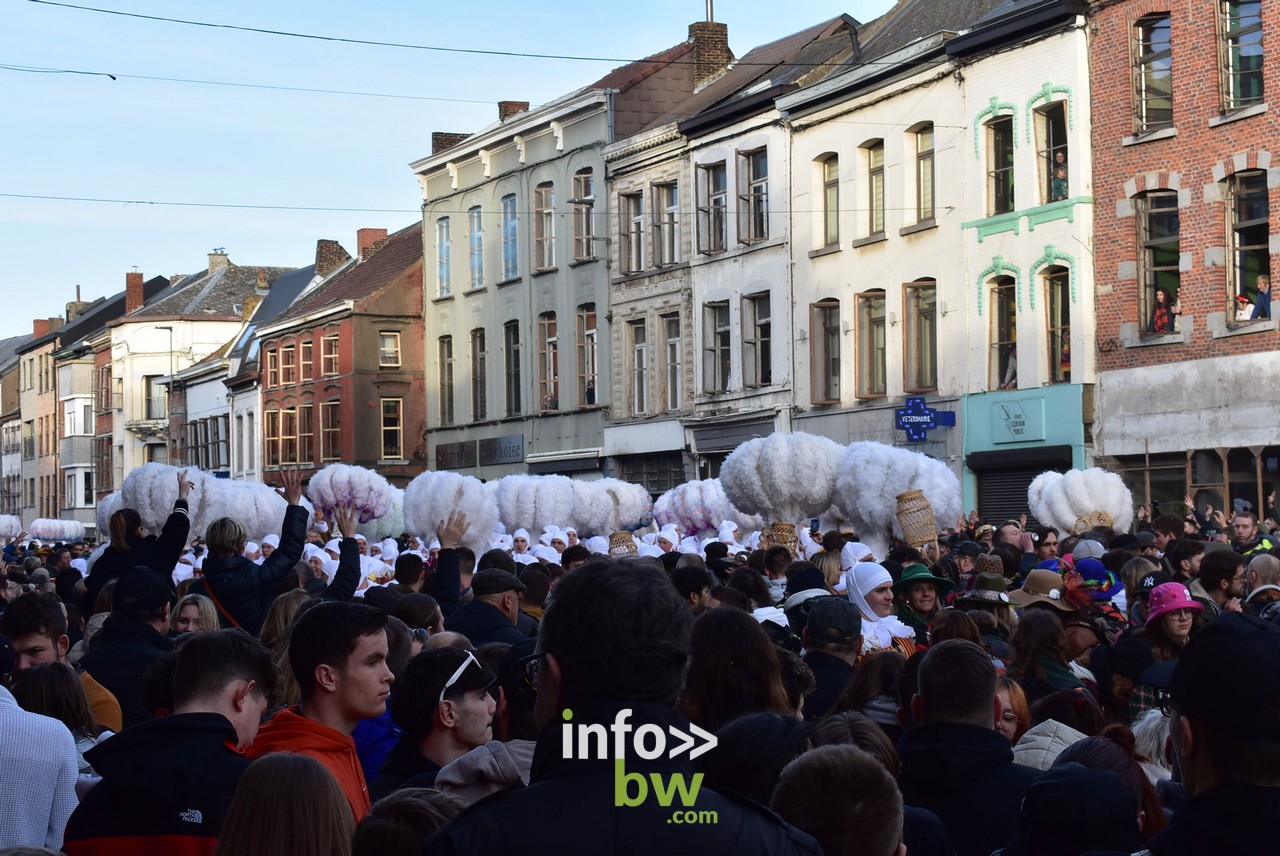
452,531
184,485
345,516
291,490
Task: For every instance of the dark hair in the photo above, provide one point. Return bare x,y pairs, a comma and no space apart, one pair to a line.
907,686
733,670
1168,524
731,598
752,750
1039,533
1184,550
687,581
844,798
212,659
537,586
34,614
496,558
619,631
416,610
957,683
1010,556
876,675
1217,567
326,634
851,728
1074,708
416,692
798,679
124,525
953,623
752,585
466,559
400,821
157,682
399,645
575,553
408,568
776,559
1039,634
287,803
54,690
832,541
1116,750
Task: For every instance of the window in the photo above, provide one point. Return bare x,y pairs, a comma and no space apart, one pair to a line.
875,187
924,173
392,429
922,336
712,202
330,430
587,354
1057,286
666,208
753,197
157,398
716,353
544,226
271,438
475,246
88,497
1158,235
329,355
479,374
830,170
639,367
273,368
1153,74
673,361
511,360
289,435
1240,25
444,280
631,206
1000,165
388,349
584,202
1004,333
305,361
1250,253
306,437
251,440
872,374
548,362
1051,128
446,382
510,238
757,349
289,364
102,389
824,352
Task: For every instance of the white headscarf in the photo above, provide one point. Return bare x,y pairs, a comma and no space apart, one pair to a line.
521,533
877,632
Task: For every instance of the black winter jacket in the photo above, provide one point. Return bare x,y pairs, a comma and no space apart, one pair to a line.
117,662
158,553
483,623
166,787
244,590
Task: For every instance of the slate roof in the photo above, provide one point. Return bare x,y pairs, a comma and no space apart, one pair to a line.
98,315
912,20
212,294
9,349
359,280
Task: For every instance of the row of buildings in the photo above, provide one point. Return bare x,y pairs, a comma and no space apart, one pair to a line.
1015,235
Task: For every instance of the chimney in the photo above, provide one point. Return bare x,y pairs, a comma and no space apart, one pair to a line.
442,141
176,278
711,54
218,260
329,256
507,109
76,307
133,294
369,241
262,284
39,327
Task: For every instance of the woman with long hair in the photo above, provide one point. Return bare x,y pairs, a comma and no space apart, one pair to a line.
828,561
194,612
287,803
871,692
733,670
1116,750
1015,716
1040,664
870,587
1171,619
53,690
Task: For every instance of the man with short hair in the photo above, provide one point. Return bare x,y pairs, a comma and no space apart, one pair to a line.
338,656
954,762
1262,578
1182,559
1248,540
494,609
845,798
614,655
832,640
1220,585
574,556
409,574
694,586
36,625
133,637
444,710
167,784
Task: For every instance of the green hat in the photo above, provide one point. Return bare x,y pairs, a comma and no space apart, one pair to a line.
918,573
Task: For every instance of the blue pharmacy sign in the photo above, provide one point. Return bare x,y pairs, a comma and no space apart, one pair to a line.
918,419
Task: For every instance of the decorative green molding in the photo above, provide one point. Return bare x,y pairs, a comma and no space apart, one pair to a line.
995,107
998,265
1050,256
995,224
1046,94
1063,209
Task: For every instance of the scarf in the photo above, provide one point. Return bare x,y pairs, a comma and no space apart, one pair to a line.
877,632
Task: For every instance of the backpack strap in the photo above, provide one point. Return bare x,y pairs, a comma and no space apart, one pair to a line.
222,610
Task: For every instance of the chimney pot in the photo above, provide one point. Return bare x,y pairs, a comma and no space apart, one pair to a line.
134,296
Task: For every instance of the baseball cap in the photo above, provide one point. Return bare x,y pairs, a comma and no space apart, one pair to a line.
1228,675
140,589
1088,549
971,549
1152,579
495,581
833,620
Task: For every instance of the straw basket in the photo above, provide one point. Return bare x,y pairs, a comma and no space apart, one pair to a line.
781,535
1092,520
622,544
915,516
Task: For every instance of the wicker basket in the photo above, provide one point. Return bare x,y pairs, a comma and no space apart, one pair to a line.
621,543
915,516
1092,520
781,535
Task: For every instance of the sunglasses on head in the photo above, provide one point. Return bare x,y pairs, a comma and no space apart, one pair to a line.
453,679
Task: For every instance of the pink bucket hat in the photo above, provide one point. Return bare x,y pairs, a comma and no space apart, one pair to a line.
1170,597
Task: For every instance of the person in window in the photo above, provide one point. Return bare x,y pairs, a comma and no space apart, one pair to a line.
1162,314
1244,308
1058,187
1010,379
1262,303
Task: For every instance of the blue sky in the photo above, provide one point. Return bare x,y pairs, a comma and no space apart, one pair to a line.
80,135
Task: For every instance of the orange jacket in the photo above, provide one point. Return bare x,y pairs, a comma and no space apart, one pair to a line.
289,731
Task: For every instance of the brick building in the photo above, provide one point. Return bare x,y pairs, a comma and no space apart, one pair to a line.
1186,235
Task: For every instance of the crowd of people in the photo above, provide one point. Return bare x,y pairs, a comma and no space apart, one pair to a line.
1009,688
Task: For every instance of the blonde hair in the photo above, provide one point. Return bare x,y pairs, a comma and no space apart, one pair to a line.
829,563
225,537
207,613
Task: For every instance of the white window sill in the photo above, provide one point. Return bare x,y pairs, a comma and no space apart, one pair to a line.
1236,115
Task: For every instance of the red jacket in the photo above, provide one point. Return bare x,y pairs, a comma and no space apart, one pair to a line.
288,731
